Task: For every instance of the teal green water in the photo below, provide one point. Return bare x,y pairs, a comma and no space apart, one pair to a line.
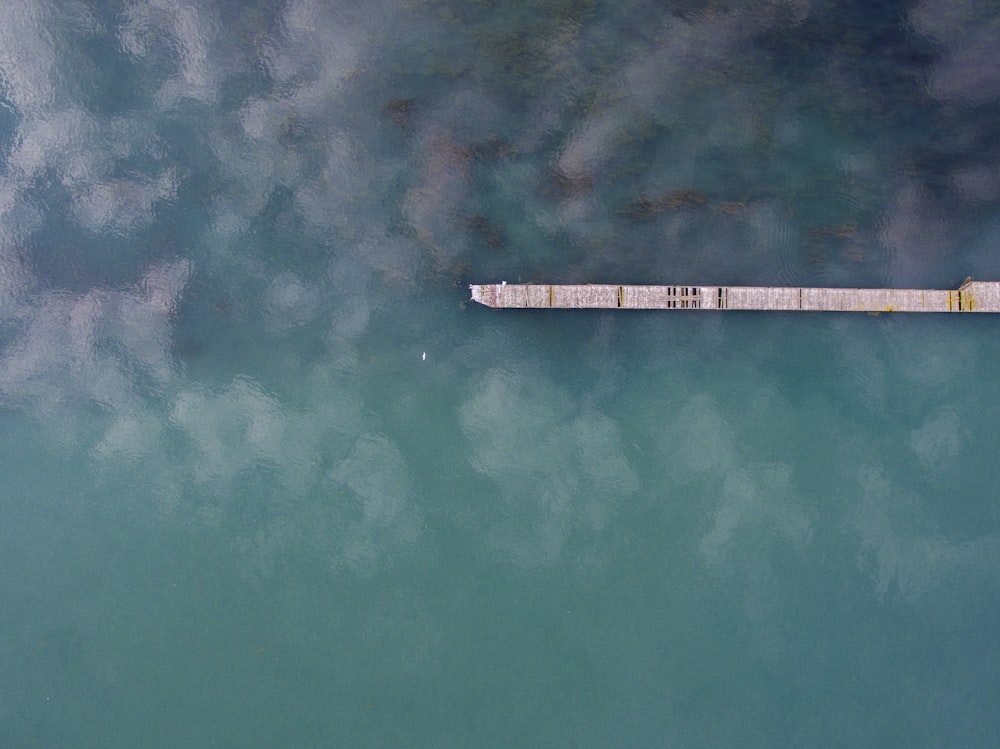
240,507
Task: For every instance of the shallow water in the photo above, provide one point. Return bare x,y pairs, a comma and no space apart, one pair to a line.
240,508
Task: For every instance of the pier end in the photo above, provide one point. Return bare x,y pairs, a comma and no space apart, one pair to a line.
485,294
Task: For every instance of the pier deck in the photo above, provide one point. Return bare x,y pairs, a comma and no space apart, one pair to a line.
973,296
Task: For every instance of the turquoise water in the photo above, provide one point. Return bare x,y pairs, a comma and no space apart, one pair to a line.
240,508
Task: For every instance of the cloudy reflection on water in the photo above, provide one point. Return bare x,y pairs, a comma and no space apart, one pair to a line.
230,230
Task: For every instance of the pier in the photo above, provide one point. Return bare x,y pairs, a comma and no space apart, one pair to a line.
973,296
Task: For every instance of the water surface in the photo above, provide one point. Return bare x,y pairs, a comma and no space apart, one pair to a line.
241,508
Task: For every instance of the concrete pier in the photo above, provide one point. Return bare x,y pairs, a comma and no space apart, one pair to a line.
973,296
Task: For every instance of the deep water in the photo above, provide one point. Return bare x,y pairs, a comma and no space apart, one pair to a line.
239,506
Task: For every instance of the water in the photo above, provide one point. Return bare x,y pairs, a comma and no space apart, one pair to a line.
239,506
